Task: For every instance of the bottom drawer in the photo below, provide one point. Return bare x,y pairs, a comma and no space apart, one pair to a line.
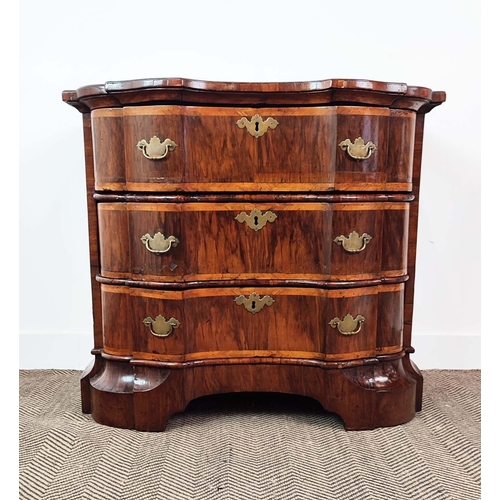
224,323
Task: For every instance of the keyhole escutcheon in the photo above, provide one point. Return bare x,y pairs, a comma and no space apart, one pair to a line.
256,219
254,303
256,126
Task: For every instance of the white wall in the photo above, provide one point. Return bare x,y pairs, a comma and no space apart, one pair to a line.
65,45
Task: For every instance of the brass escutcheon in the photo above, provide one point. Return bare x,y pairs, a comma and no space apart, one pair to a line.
354,242
155,149
160,327
256,126
348,325
256,219
158,243
359,150
254,303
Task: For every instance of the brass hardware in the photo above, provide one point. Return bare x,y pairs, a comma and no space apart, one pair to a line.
359,150
348,325
156,150
254,303
160,327
158,243
256,219
354,242
257,126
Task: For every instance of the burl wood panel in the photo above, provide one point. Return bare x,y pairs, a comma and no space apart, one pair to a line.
214,154
213,326
213,245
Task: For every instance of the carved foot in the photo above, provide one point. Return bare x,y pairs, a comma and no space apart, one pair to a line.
412,370
94,367
133,397
371,396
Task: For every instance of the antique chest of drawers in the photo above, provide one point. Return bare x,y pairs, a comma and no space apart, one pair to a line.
252,237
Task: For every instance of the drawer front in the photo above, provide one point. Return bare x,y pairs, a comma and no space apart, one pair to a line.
186,148
203,324
225,241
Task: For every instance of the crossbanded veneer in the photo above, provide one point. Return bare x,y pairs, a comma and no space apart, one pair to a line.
252,237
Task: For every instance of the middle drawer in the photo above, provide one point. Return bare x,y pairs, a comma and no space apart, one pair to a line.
173,242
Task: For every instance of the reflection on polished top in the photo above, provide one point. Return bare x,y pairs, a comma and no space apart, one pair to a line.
321,92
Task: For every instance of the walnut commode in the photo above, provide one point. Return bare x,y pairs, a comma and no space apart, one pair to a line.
252,237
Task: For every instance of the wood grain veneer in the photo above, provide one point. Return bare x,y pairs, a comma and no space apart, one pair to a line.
213,154
213,245
144,372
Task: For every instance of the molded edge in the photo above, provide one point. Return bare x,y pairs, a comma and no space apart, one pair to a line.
364,397
321,92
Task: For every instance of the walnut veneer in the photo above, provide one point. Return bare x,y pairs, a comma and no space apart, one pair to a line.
252,237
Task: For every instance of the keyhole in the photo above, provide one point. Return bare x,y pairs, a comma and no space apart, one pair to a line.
256,126
253,304
256,221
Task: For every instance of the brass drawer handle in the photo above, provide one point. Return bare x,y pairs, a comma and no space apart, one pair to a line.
160,327
354,242
158,243
155,149
256,126
256,219
348,325
359,150
254,303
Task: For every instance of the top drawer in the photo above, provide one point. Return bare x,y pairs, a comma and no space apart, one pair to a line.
188,148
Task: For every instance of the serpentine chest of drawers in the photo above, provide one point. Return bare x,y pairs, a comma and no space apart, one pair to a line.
252,237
